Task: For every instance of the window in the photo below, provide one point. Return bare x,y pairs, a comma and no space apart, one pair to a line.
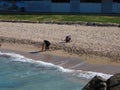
117,1
60,1
91,1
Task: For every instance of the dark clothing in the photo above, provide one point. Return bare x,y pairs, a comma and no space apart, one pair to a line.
67,39
47,44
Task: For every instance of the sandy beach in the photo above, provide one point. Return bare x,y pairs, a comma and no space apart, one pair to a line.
92,48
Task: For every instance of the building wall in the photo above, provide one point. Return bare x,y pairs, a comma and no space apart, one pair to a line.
106,6
90,7
38,6
116,8
74,5
60,7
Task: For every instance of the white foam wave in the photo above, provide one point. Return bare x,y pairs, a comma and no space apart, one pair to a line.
17,57
90,74
80,73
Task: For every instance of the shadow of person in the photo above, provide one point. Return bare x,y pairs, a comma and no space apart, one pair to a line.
34,52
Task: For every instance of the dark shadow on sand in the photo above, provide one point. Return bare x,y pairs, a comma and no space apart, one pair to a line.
34,52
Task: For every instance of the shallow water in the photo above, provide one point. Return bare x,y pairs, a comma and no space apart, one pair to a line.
20,73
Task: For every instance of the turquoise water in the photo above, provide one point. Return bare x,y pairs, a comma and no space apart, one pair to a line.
20,73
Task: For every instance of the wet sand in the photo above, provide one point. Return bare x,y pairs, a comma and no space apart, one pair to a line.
65,60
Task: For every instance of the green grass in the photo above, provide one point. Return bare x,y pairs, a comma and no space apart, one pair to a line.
74,18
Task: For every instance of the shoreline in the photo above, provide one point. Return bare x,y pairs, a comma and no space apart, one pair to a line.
61,58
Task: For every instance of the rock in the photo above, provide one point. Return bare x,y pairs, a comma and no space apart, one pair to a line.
114,82
97,83
5,56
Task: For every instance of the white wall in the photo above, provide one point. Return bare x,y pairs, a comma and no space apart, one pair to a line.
90,7
60,7
116,8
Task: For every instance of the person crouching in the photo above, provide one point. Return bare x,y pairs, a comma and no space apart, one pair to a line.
68,39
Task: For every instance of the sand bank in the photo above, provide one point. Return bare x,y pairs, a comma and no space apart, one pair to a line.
101,41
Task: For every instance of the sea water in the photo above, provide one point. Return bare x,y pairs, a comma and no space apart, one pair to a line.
20,73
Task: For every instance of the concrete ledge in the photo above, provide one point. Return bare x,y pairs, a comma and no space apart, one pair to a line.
65,23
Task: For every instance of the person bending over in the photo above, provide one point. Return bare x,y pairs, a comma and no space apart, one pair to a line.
46,45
